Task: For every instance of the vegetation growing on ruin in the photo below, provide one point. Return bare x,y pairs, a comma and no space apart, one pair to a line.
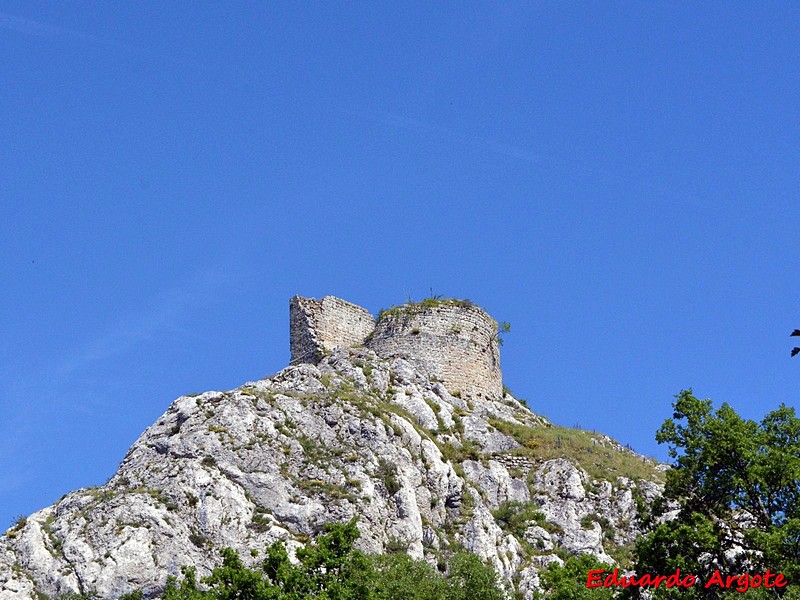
411,308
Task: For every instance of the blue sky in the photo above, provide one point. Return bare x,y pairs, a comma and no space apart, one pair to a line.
617,180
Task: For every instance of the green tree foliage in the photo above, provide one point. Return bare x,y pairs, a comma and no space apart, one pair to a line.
503,327
568,581
470,579
400,577
736,488
332,569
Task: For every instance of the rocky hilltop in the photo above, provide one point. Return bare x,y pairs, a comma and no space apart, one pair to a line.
403,421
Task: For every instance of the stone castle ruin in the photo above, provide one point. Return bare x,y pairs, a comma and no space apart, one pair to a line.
454,341
316,327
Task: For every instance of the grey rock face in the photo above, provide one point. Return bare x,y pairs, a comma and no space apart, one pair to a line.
276,459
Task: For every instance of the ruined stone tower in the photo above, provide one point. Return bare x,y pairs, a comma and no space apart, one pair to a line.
318,326
452,340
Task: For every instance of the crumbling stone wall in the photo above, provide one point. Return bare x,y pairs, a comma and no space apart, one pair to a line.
318,326
455,342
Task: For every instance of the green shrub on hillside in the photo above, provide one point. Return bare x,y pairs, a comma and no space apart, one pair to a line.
332,569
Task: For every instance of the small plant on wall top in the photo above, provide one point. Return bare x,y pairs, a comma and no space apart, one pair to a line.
411,307
503,327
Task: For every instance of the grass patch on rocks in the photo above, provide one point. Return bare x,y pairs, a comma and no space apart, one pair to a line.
600,459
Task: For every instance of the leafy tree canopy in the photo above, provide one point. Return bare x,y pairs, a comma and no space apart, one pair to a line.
568,581
332,569
733,497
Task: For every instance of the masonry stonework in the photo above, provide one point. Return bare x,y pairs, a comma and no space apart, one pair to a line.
454,342
318,326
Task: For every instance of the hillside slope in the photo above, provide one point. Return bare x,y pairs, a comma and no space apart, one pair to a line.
354,434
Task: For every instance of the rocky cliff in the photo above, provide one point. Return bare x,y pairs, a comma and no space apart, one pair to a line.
427,459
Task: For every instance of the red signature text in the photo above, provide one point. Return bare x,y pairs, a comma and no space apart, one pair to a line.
741,583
